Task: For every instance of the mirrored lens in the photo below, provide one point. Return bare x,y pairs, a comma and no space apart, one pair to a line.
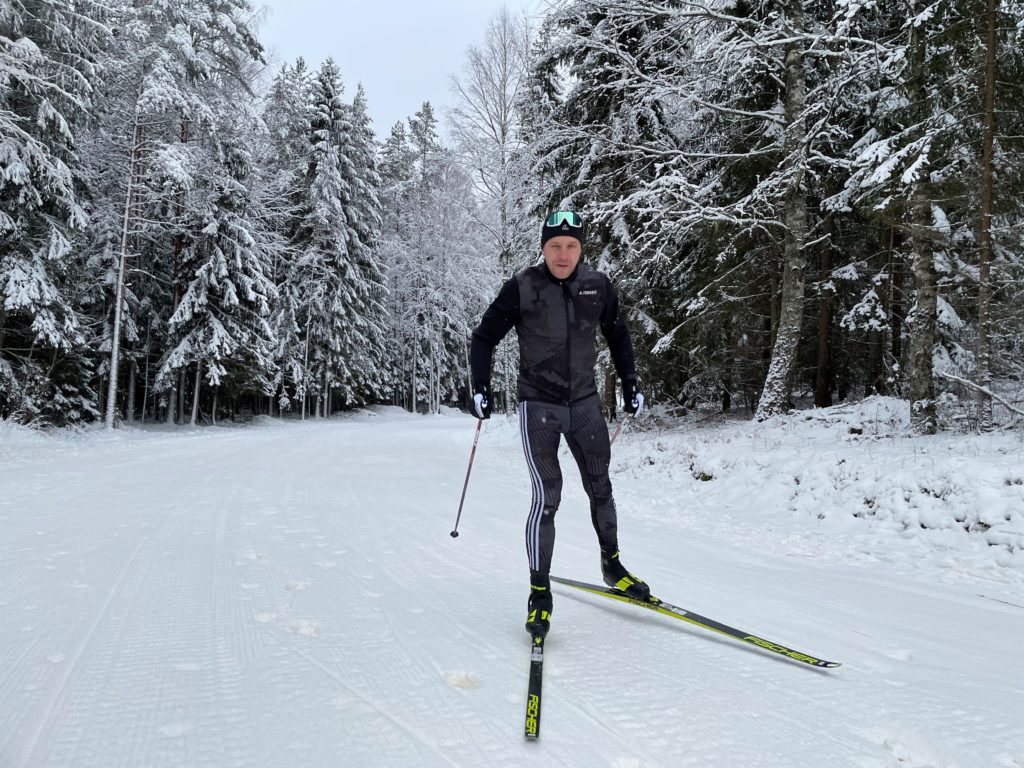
558,217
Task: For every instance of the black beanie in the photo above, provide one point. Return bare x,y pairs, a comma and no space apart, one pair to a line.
562,229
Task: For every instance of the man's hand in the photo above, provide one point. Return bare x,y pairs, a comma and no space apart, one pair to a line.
482,401
633,398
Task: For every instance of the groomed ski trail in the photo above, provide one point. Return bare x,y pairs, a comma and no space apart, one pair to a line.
288,594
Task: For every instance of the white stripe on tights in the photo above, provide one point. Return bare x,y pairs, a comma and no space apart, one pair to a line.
537,504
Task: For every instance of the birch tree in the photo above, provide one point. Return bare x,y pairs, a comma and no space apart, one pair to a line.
436,265
491,145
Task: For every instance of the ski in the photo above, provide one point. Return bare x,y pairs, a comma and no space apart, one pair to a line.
532,724
660,606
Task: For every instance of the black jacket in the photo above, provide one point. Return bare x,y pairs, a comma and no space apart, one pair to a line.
556,321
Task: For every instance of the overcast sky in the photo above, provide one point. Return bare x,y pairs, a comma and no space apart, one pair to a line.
402,51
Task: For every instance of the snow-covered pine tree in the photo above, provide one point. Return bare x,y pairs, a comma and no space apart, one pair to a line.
49,53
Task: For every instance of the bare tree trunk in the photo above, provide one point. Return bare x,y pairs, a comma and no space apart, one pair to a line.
775,395
195,393
321,402
985,236
145,375
181,394
115,342
823,377
922,333
172,401
415,356
897,310
305,372
129,410
216,395
874,367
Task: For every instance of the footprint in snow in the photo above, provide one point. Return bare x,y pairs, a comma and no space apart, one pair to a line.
175,730
305,628
462,680
899,654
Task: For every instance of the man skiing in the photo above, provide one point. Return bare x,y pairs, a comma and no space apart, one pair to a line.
556,308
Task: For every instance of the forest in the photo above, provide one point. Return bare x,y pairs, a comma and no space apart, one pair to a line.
799,203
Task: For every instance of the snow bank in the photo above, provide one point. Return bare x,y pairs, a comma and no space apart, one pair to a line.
851,473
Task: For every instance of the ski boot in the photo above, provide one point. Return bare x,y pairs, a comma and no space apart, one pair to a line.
538,608
617,577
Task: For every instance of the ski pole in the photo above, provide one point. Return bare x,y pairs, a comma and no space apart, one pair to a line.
472,453
619,428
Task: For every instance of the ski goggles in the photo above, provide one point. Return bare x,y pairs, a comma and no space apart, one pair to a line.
567,217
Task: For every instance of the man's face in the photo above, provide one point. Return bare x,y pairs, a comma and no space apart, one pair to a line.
562,254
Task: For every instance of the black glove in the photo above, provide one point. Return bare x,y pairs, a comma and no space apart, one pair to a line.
481,406
633,398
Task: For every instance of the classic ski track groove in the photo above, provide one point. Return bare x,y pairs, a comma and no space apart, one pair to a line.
72,664
422,740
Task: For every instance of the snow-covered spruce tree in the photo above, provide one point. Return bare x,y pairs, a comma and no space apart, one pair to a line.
371,377
336,273
490,143
165,76
221,325
49,53
285,162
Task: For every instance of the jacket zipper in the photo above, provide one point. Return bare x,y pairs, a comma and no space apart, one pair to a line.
568,340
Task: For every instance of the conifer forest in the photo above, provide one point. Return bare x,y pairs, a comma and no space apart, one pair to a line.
799,203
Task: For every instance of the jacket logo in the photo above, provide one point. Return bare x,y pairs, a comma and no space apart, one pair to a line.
588,293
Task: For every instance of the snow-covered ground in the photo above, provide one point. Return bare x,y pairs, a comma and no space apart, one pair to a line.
287,594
